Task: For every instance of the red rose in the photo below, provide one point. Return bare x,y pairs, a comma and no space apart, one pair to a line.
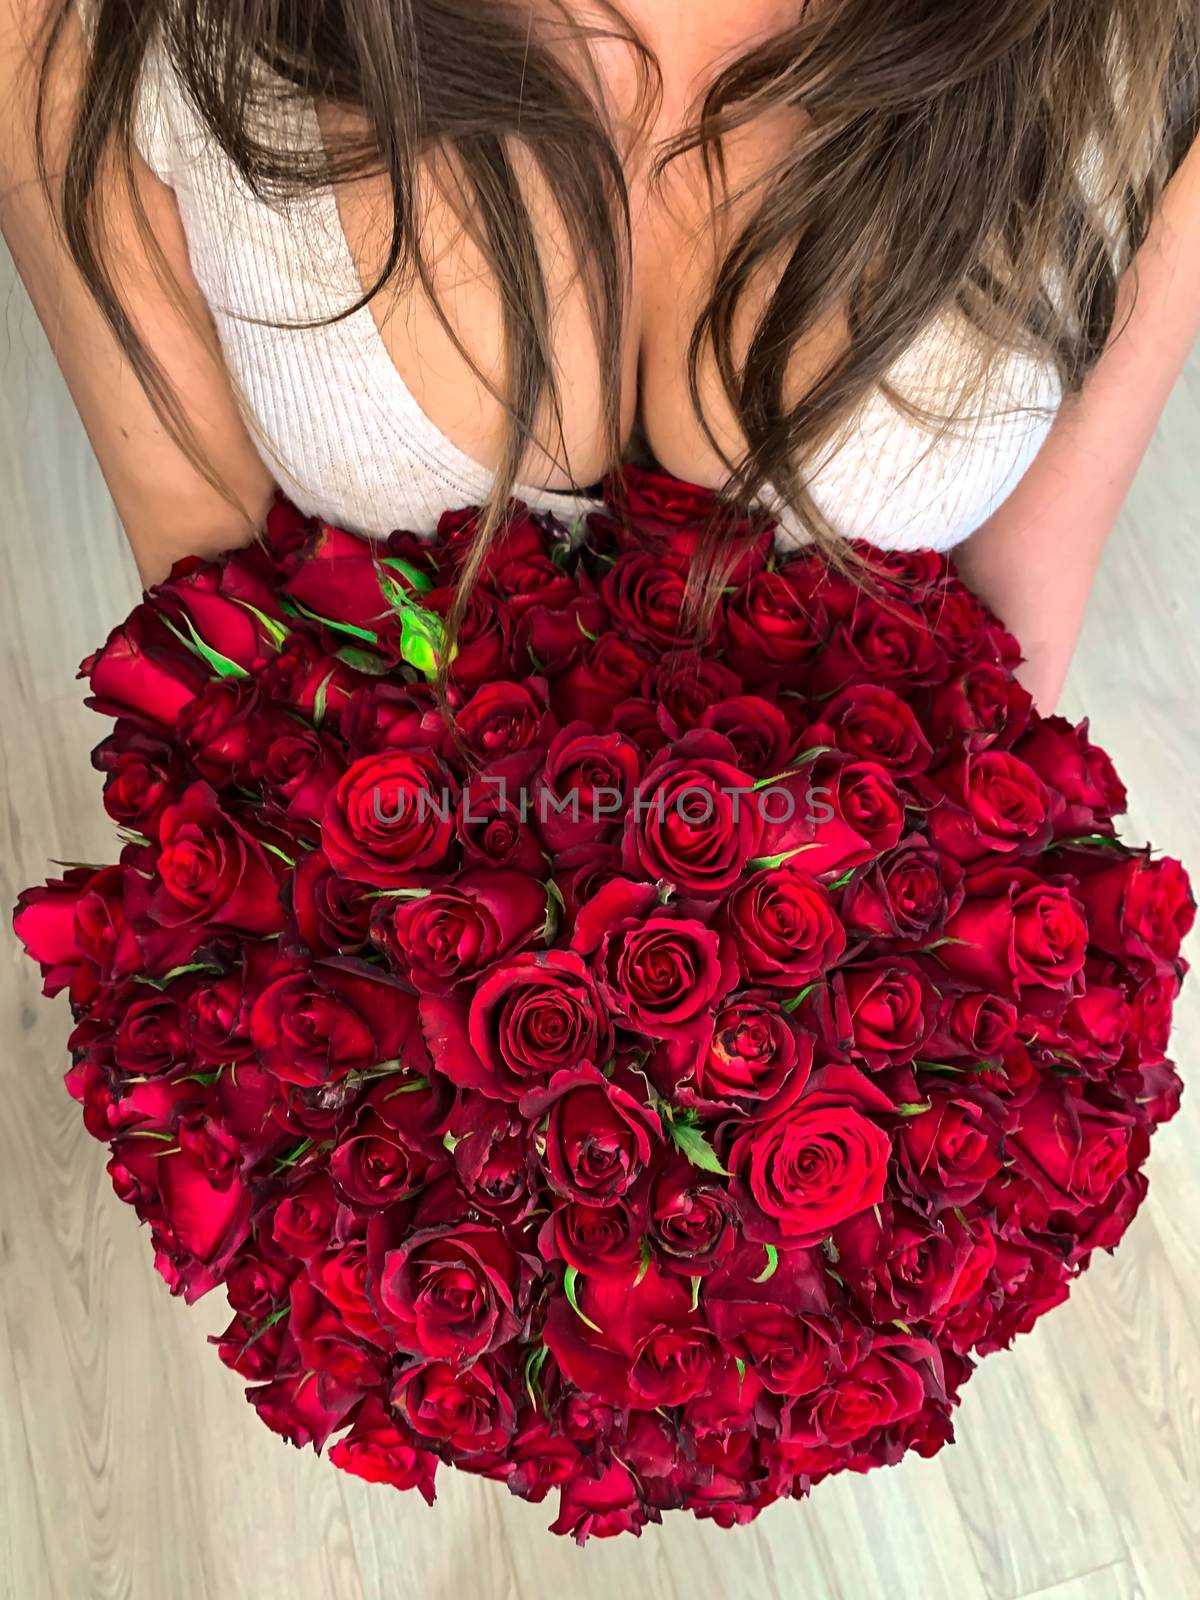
785,927
530,1017
691,1218
494,822
1013,931
799,1175
598,1136
213,873
375,1450
994,805
645,1347
758,1054
984,706
341,577
444,938
686,685
332,915
469,1410
874,724
951,1148
606,674
599,1506
692,821
658,968
390,818
905,896
449,1292
594,1238
831,816
890,1009
776,621
501,718
227,607
1138,907
880,1391
584,788
758,731
144,672
319,1023
1072,1152
644,594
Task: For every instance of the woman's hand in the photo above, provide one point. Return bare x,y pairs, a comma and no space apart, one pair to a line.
1033,561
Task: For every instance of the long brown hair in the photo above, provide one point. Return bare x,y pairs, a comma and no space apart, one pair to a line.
1003,160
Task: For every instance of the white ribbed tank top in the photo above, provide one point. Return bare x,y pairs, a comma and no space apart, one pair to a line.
347,441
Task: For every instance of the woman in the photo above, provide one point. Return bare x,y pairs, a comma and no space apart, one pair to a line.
872,264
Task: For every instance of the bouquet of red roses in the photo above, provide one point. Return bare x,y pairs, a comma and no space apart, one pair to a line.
655,1079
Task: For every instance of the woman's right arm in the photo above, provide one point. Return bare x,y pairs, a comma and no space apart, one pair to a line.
166,504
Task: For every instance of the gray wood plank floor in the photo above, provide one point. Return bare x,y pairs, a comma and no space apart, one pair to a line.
130,1464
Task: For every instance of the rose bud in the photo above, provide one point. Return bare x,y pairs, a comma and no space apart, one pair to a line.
1137,908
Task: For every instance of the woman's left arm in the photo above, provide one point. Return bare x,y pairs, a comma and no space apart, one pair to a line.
1033,561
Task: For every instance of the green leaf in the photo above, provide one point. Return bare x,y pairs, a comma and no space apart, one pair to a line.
555,906
769,863
831,1250
689,1141
321,700
267,1322
772,1262
840,883
221,665
291,1158
798,1000
534,1362
276,631
422,636
276,851
914,1108
349,628
644,1265
804,759
1102,841
570,1289
695,1293
450,1141
418,581
586,632
364,661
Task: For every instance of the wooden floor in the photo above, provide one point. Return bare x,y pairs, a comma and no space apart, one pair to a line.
130,1465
